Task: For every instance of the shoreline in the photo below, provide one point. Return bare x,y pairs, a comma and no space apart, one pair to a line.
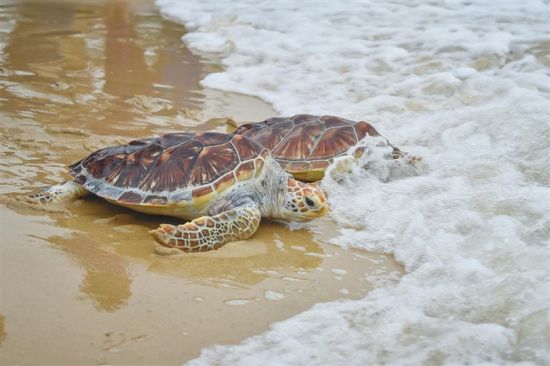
81,282
462,85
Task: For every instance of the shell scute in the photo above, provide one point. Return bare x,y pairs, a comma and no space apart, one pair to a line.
245,171
202,191
333,121
212,138
171,139
307,138
180,165
277,120
333,142
299,142
130,197
224,182
153,199
104,190
246,148
212,162
264,134
101,165
80,179
363,128
255,127
304,118
131,169
171,169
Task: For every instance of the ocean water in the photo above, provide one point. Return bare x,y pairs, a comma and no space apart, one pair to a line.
466,85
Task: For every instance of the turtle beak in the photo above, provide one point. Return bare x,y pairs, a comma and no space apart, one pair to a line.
316,203
320,208
323,211
305,202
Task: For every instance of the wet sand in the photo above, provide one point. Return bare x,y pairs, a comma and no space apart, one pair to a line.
80,282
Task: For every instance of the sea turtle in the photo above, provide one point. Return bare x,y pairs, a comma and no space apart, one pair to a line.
305,145
223,183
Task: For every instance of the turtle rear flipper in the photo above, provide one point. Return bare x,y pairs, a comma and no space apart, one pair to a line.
59,192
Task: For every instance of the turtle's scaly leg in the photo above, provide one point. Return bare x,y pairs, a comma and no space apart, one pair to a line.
210,232
59,192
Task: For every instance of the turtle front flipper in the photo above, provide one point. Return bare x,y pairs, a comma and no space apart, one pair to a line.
59,192
210,232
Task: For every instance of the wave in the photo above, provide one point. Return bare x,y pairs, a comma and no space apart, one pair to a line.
466,86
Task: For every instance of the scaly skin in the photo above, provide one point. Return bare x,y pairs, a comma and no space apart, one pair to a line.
210,232
278,196
59,192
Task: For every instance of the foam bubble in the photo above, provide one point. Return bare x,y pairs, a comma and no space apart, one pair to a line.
273,295
465,85
236,302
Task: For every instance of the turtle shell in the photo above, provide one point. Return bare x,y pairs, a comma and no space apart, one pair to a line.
304,144
172,168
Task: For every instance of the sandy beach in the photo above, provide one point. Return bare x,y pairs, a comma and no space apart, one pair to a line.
465,85
80,282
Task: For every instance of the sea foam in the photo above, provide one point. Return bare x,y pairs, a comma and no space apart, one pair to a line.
466,86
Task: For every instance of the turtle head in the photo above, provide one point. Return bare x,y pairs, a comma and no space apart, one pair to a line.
304,202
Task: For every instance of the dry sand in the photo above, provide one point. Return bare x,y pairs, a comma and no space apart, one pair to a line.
80,283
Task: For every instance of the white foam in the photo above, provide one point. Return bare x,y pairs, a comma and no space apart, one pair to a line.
344,291
339,271
464,84
236,302
273,295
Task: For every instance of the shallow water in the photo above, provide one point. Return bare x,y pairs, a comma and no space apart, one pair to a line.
465,84
80,282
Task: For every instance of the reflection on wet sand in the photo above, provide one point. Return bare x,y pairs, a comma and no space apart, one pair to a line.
2,329
106,280
94,74
104,234
124,59
80,281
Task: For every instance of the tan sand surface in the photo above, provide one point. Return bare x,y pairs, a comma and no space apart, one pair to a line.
80,282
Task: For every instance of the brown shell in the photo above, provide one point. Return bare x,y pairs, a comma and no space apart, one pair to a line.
172,167
305,143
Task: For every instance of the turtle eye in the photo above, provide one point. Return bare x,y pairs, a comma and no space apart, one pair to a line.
310,202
